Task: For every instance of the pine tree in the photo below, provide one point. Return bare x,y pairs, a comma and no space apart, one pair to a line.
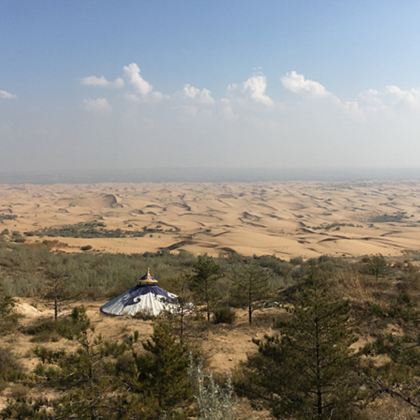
10,368
163,369
56,288
8,318
206,272
250,283
113,379
307,371
398,378
184,306
377,265
83,374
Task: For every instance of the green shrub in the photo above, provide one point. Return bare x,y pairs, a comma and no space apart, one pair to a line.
377,310
46,329
224,315
296,260
10,368
42,330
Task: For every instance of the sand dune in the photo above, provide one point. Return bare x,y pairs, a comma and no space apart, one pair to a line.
285,219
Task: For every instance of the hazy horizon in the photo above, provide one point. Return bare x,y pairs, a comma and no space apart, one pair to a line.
168,175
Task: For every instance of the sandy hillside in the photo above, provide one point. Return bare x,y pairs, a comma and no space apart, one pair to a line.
286,219
223,346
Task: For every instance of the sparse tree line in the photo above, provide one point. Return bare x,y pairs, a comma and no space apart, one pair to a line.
309,366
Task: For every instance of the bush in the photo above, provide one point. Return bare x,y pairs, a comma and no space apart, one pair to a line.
46,329
10,368
42,330
8,318
214,401
296,260
224,315
377,310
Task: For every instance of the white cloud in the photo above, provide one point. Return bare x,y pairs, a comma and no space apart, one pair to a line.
409,97
99,105
253,88
390,98
256,87
202,96
134,77
292,131
296,83
306,88
102,81
4,94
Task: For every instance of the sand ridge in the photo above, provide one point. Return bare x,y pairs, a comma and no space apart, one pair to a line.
286,219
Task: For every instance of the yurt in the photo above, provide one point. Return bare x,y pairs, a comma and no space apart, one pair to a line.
146,297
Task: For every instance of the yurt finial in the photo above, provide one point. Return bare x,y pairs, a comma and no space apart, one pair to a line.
147,279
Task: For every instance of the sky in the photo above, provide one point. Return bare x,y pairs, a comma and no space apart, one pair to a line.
276,84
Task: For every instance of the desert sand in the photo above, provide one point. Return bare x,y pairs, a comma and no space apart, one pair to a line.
285,219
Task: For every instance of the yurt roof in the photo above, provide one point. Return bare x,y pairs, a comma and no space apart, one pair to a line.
146,297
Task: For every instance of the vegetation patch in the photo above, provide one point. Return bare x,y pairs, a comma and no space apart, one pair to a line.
94,229
48,329
335,337
7,216
399,216
10,369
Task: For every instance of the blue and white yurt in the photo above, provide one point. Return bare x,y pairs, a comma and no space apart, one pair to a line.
146,297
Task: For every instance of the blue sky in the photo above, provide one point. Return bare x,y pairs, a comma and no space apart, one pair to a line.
349,48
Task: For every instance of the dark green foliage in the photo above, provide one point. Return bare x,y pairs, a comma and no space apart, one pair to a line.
376,265
25,269
296,260
55,285
7,216
276,265
8,318
400,376
224,315
17,237
95,229
10,368
43,329
163,370
376,310
121,379
82,375
114,379
398,216
206,271
46,329
25,408
400,309
307,370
